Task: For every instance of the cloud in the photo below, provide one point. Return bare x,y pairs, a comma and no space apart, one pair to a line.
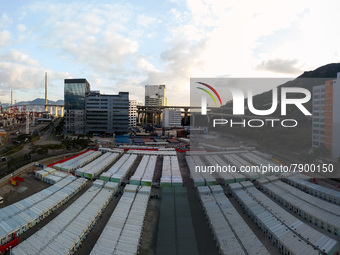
145,20
5,20
21,72
5,37
284,66
21,28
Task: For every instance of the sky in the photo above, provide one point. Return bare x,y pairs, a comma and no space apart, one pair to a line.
125,45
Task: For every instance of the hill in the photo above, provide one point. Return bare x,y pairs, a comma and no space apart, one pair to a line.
307,80
41,101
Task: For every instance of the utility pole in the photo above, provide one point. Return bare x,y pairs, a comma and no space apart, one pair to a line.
46,92
10,109
28,123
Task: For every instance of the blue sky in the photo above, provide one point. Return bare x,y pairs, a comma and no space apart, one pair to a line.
124,45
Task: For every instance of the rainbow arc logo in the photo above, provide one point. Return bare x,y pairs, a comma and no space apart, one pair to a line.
204,99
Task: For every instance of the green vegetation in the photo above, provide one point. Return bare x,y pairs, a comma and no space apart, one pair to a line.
12,149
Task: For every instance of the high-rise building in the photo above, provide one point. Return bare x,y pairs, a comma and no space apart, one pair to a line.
75,91
92,111
326,116
172,117
155,95
107,113
133,113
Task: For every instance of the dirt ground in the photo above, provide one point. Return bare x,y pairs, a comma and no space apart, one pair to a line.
12,194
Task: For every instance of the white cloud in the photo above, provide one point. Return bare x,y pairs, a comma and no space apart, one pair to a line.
283,66
5,20
21,28
21,72
145,20
5,37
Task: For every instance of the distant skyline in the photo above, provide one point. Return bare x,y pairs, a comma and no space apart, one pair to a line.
125,45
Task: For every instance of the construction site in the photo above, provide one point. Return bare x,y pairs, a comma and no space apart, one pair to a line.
153,201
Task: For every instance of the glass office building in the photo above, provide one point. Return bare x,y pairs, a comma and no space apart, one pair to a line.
75,91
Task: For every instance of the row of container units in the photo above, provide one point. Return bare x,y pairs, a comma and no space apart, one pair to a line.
258,161
287,233
153,152
230,176
113,169
144,173
231,232
124,230
104,150
318,212
171,174
208,178
298,181
310,235
41,174
252,176
176,233
222,177
24,214
196,176
120,175
55,177
96,167
65,233
77,162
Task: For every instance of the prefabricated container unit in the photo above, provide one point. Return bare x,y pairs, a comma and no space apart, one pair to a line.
304,232
129,239
107,175
111,185
250,159
52,179
122,172
68,230
209,179
301,182
149,172
246,184
98,183
166,172
226,176
63,166
136,178
262,155
252,176
111,233
259,182
319,212
79,161
96,167
222,177
233,162
286,240
265,161
80,172
234,186
18,217
153,153
195,176
232,233
122,232
272,178
104,150
86,170
41,174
